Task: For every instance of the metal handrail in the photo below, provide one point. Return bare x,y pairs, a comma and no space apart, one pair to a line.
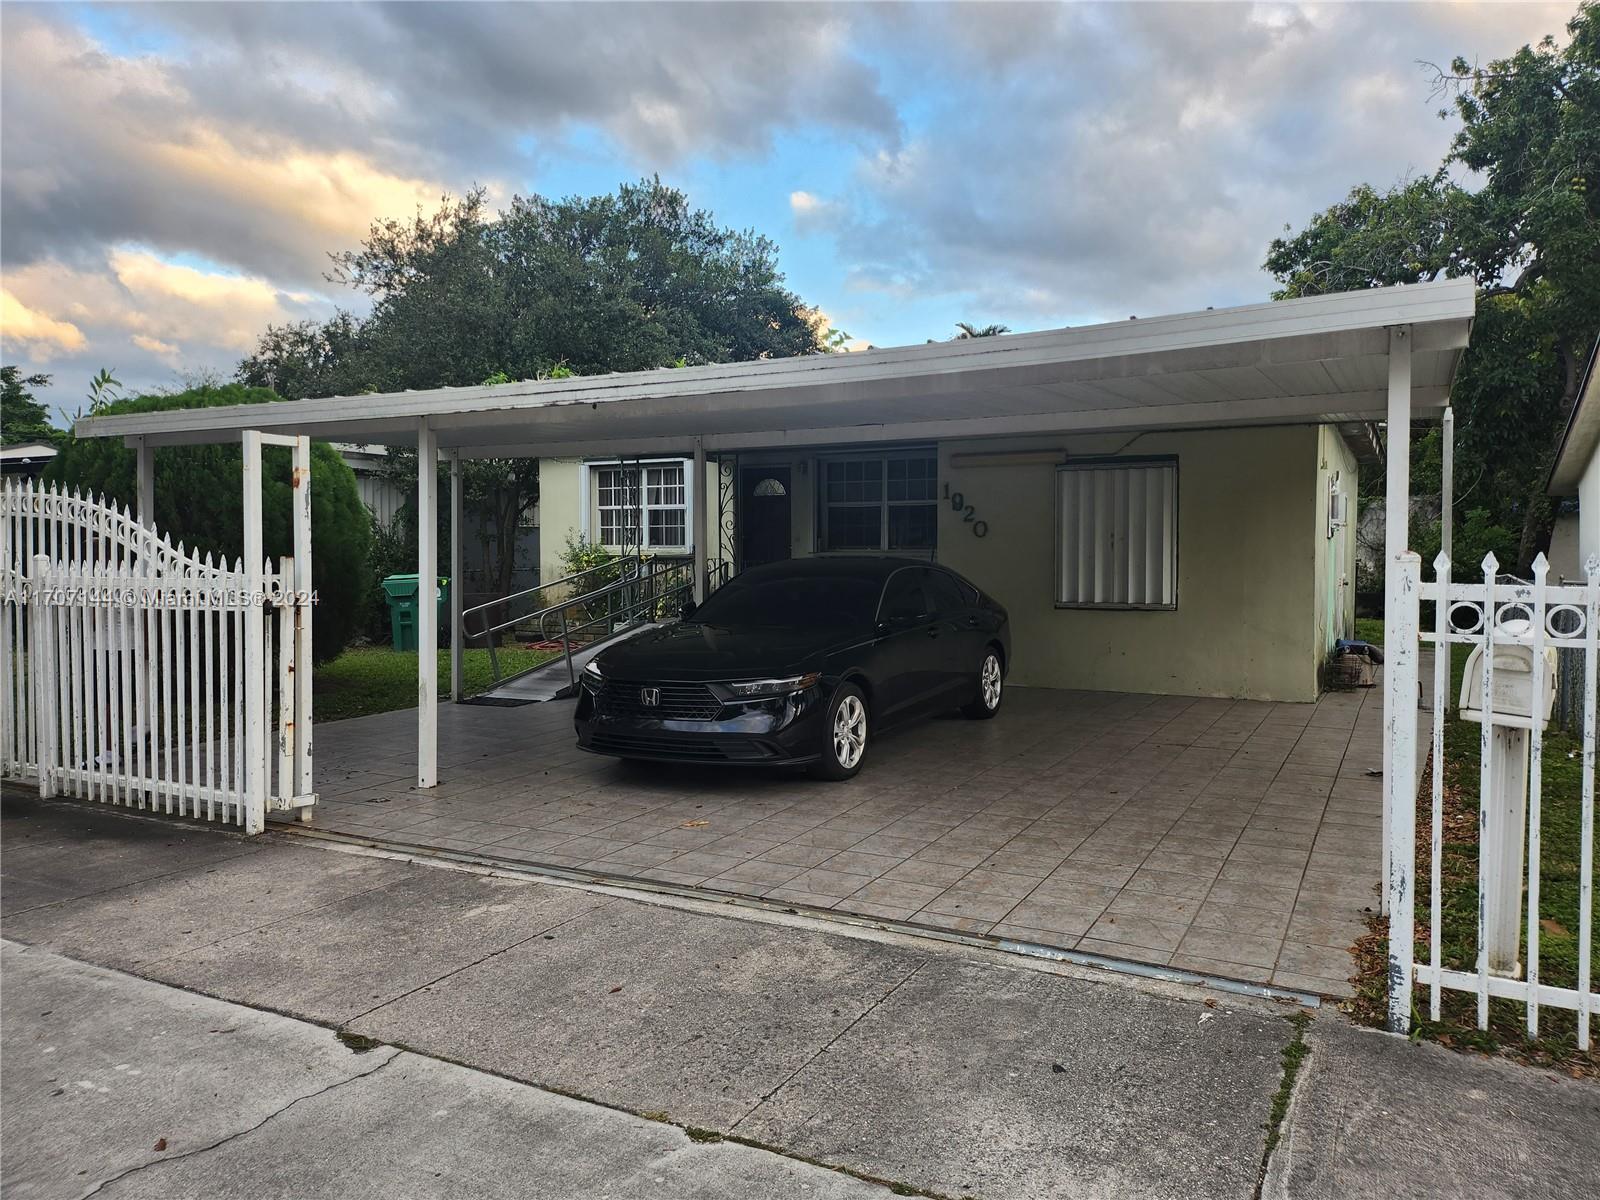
609,618
635,578
628,564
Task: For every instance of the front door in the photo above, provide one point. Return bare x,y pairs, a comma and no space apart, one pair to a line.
763,516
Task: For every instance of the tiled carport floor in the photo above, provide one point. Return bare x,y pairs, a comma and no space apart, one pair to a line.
1229,837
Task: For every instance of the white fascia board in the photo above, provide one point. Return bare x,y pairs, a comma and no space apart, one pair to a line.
1580,441
1367,406
1119,345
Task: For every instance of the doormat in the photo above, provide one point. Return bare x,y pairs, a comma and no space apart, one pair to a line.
498,701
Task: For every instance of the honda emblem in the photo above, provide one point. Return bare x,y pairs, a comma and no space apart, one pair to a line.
650,697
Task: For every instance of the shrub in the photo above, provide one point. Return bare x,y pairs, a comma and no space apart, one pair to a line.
200,502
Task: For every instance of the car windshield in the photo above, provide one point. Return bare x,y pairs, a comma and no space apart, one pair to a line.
798,601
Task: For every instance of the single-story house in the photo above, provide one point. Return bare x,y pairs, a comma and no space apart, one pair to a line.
1576,475
1163,504
1206,562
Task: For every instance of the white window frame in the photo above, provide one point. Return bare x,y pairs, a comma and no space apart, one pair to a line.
640,469
884,504
1100,540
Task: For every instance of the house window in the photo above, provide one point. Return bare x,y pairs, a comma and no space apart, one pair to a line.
649,501
1117,534
880,502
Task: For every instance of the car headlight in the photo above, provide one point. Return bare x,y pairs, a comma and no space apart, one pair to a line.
592,674
749,689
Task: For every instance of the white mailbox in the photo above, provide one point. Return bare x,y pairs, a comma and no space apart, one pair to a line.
1513,686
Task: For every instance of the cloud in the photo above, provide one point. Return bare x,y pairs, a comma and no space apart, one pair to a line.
814,214
165,351
146,318
665,80
173,176
43,336
1104,161
100,149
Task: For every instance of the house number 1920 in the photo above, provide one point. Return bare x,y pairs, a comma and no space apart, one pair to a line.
958,503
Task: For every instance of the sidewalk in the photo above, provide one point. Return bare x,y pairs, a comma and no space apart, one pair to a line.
941,1070
199,1097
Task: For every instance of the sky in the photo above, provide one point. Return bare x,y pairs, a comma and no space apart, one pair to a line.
173,177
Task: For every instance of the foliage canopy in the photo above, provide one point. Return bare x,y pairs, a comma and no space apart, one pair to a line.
22,418
583,285
199,502
1526,228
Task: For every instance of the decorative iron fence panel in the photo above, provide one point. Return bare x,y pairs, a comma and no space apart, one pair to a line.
135,673
1518,633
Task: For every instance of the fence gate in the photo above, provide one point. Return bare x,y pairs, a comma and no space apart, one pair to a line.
1516,633
134,673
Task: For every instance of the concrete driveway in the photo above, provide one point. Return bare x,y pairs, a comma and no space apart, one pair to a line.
1230,838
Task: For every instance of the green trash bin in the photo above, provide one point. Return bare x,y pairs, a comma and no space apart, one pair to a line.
402,594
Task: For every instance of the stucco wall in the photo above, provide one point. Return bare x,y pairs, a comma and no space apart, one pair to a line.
563,509
1335,567
560,512
1245,622
1589,512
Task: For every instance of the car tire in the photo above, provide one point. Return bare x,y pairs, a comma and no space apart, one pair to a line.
989,688
843,752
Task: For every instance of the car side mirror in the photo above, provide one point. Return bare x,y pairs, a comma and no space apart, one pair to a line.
688,610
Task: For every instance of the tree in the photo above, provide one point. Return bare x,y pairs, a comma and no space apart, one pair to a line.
1529,235
306,359
200,503
22,418
623,282
969,330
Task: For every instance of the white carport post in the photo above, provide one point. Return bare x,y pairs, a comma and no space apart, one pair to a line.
698,530
145,481
1447,485
427,605
255,648
302,621
1399,696
456,578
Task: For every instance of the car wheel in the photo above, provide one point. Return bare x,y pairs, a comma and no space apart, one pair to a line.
990,688
844,735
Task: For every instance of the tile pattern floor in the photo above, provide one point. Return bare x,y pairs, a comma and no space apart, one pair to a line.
1230,837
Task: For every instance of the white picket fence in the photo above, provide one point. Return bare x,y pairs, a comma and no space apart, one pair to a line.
134,673
1513,625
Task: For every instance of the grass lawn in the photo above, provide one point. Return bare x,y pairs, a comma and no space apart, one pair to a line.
1558,897
375,679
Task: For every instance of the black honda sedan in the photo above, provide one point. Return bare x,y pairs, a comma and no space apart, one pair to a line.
799,662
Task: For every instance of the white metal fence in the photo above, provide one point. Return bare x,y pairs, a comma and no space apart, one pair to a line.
1514,631
134,673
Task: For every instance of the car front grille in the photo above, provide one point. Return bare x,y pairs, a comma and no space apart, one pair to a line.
689,749
623,699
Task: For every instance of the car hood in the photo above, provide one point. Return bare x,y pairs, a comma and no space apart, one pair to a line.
689,650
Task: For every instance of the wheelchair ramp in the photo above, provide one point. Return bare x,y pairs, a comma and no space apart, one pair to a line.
550,680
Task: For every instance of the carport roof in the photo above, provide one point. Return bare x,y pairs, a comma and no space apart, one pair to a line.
1315,359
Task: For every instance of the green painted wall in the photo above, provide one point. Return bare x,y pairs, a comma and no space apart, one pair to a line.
1245,623
561,502
1336,555
1253,614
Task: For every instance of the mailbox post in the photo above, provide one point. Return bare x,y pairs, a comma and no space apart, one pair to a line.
1509,712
